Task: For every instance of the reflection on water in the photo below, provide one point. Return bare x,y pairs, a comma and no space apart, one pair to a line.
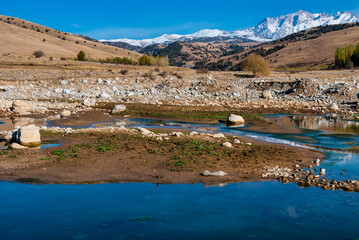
325,123
44,144
7,124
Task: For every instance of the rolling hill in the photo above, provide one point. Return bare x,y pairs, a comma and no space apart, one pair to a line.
20,38
312,48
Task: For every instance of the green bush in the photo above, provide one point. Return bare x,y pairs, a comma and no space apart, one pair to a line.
81,56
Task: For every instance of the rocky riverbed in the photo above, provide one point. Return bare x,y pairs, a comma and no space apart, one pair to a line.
81,90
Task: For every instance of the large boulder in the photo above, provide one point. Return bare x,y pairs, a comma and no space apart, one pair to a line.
29,136
11,136
20,107
235,120
118,108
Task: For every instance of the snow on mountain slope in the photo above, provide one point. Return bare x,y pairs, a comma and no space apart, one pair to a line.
267,30
279,27
166,38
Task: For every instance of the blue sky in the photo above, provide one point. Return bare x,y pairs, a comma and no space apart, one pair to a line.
146,19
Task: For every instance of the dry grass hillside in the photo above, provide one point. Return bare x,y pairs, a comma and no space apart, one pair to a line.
316,51
20,38
310,49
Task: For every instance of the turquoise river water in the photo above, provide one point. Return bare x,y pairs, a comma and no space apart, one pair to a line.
255,210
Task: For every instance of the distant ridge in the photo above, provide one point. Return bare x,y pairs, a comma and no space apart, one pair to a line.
267,30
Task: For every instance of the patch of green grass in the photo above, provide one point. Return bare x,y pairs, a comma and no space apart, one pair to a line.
12,156
45,158
104,149
180,163
197,115
58,152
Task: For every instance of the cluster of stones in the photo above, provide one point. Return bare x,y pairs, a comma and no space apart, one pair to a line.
306,178
23,137
187,90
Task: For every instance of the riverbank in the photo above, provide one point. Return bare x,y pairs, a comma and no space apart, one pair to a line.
125,155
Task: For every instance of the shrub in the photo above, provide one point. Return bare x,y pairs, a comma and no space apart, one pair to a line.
38,54
124,71
202,70
257,65
153,61
81,56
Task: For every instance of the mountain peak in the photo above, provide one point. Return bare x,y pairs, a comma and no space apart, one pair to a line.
271,28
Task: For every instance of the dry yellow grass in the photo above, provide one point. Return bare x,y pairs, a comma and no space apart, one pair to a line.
21,38
315,51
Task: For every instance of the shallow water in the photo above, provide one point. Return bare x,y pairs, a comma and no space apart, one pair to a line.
257,210
266,210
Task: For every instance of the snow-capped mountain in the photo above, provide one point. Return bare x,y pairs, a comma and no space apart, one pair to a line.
267,30
279,27
165,38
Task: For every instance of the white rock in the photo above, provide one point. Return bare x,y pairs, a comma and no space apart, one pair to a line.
20,107
65,113
103,95
66,91
99,80
64,82
118,108
144,131
218,174
89,102
218,135
334,107
17,146
227,144
176,134
194,133
235,119
237,141
28,136
11,136
267,95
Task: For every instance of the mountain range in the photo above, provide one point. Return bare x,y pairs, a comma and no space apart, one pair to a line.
267,30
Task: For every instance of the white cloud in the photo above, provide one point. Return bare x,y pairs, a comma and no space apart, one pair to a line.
76,26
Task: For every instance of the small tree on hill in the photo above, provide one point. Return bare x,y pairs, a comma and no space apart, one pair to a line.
144,60
38,54
355,57
81,56
344,57
257,65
